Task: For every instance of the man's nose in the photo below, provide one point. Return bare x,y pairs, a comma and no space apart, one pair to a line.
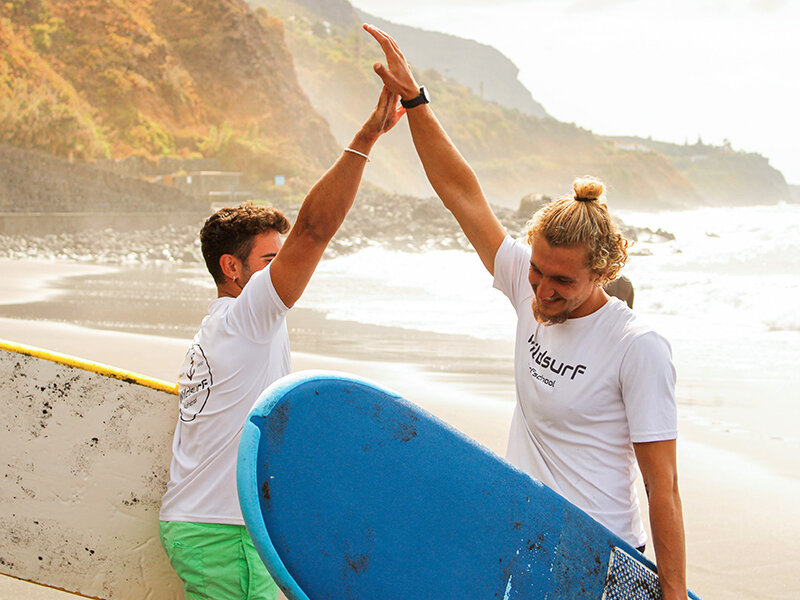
544,289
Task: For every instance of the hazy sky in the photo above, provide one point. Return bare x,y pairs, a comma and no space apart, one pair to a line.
673,69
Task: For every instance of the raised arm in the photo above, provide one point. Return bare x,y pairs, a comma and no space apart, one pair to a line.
450,175
658,464
327,204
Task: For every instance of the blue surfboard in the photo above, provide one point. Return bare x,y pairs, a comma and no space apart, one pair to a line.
351,492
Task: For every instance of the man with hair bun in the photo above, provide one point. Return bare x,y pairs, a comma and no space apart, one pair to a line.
241,348
595,386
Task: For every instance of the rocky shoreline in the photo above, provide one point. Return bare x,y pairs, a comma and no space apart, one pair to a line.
402,223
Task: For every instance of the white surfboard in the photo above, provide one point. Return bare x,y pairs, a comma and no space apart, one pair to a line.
85,457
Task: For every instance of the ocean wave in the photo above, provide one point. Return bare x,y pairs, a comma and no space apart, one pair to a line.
787,325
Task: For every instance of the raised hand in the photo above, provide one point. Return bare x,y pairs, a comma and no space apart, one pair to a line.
385,115
451,177
396,74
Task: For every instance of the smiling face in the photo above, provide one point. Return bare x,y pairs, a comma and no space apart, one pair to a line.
563,285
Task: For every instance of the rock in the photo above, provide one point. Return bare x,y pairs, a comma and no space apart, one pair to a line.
403,223
530,204
621,288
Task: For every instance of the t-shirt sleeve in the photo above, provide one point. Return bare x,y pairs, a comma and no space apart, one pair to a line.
511,264
258,311
648,389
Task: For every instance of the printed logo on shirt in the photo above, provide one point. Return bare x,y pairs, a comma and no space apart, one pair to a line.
546,369
194,383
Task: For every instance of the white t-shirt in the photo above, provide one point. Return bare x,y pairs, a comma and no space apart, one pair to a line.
241,348
586,389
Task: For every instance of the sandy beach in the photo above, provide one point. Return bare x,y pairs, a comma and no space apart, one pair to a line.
740,491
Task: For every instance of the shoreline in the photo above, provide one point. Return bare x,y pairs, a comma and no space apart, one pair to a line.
739,490
31,280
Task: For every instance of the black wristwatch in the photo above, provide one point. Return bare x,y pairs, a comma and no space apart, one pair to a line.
423,98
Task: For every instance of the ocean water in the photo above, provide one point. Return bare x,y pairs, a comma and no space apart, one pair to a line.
725,292
443,291
727,268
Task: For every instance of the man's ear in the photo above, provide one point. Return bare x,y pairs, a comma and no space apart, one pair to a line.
599,279
231,266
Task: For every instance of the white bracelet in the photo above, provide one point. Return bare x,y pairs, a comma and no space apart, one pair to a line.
357,152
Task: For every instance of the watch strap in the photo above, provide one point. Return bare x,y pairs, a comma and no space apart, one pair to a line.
422,98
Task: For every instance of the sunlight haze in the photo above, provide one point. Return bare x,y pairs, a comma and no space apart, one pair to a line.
675,71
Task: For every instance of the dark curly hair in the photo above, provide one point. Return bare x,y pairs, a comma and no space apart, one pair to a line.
233,231
583,219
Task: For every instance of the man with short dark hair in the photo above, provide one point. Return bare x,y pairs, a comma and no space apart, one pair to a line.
233,231
241,348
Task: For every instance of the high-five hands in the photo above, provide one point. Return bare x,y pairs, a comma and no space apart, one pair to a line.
396,74
385,115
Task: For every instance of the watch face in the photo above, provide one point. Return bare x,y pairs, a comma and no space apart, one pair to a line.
424,96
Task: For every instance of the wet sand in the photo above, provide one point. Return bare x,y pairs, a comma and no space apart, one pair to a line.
740,488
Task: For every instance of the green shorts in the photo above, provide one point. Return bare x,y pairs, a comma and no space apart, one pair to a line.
216,561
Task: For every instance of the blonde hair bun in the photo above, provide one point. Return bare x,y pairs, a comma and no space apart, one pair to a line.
588,189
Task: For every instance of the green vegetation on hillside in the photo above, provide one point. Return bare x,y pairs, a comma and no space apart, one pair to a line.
98,78
720,174
279,89
513,153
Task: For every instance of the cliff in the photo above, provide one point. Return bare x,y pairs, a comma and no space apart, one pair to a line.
482,69
721,175
203,78
514,153
279,89
35,182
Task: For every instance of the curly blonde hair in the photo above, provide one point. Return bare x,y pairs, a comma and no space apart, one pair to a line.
583,219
